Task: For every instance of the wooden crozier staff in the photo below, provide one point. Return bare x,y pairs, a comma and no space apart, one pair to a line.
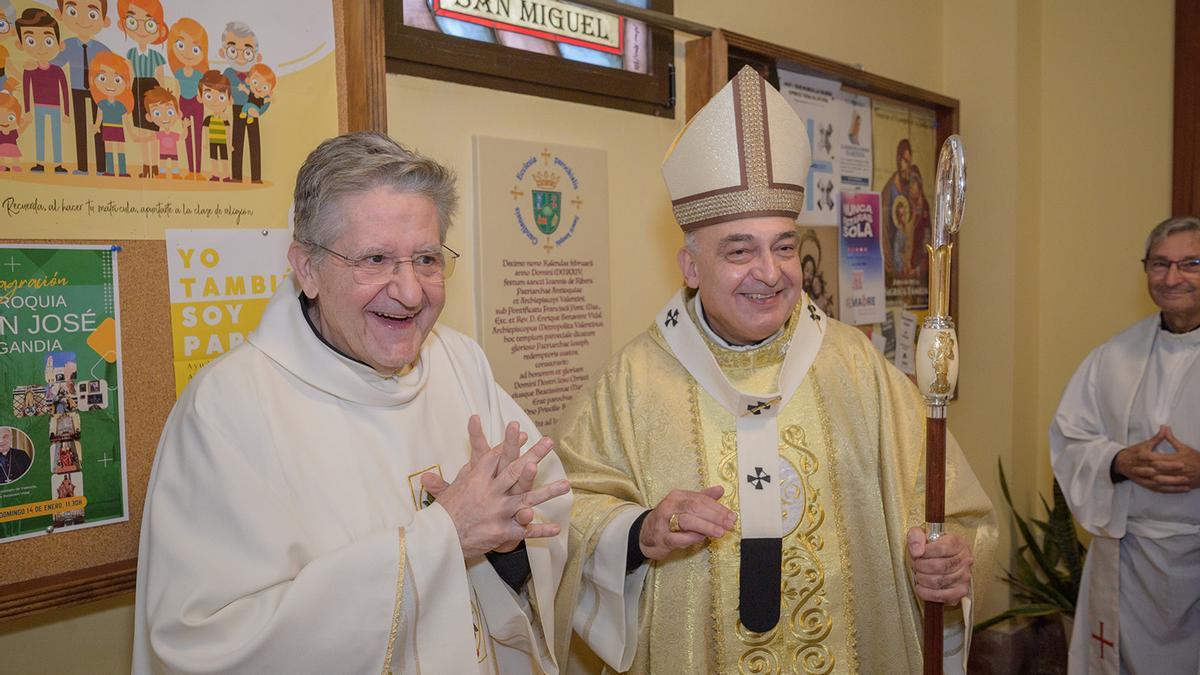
937,364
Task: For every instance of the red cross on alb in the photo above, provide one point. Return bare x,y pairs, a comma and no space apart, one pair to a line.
1103,642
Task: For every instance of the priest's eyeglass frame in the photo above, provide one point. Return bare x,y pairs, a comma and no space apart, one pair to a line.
379,268
1159,267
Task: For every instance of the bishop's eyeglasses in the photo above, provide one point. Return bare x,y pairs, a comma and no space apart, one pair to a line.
379,268
1158,267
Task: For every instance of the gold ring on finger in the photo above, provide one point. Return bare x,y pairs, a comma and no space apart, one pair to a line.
673,523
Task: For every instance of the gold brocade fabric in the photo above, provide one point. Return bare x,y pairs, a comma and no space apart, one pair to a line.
851,462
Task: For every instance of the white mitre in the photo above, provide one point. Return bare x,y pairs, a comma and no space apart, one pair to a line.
745,154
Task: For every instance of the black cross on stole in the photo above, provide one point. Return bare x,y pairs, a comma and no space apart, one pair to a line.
758,478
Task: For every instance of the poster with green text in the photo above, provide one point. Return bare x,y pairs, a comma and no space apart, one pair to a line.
62,429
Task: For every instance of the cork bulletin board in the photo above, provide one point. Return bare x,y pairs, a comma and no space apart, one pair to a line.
72,567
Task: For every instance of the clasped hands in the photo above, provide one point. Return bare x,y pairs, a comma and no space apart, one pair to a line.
492,499
1160,471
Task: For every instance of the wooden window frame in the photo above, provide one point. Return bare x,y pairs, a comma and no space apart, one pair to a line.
424,53
1185,141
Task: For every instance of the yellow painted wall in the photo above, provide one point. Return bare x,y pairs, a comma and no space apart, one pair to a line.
1066,112
1105,161
980,43
1067,122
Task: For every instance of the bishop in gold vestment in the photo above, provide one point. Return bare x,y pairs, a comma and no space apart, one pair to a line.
851,456
850,453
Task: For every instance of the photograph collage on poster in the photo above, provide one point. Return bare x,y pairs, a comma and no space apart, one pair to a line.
60,400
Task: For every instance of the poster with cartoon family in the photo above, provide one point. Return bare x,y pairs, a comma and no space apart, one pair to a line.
120,118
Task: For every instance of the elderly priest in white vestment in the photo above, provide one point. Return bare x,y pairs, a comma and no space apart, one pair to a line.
1123,444
297,519
748,473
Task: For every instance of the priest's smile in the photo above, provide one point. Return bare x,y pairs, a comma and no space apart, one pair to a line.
395,320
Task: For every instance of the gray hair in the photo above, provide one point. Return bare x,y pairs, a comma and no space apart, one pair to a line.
9,11
356,163
239,29
1169,227
689,241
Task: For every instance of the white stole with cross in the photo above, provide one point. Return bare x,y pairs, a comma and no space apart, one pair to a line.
756,416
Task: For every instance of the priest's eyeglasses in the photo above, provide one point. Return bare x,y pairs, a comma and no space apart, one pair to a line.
1159,267
379,268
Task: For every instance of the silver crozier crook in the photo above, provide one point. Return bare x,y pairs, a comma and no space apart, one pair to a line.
937,363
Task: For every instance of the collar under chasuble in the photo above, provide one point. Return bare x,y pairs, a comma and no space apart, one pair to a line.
756,416
285,336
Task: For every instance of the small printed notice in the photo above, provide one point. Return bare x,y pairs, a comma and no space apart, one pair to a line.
861,264
545,318
815,101
62,448
855,162
839,135
906,343
221,282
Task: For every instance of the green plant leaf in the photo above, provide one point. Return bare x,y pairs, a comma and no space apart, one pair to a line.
1064,534
1004,487
1034,589
1031,541
1047,569
1049,542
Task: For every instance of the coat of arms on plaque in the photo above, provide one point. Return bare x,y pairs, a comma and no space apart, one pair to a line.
547,206
554,200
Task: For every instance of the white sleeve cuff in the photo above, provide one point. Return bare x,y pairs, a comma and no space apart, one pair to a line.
956,637
607,614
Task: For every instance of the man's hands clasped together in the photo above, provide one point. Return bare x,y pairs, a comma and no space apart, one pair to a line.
492,498
1160,471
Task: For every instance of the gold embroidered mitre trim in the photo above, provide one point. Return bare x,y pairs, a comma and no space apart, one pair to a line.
745,154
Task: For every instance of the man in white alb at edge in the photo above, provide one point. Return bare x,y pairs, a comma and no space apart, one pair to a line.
297,519
1123,445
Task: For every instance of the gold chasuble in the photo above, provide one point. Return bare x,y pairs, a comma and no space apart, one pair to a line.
851,464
